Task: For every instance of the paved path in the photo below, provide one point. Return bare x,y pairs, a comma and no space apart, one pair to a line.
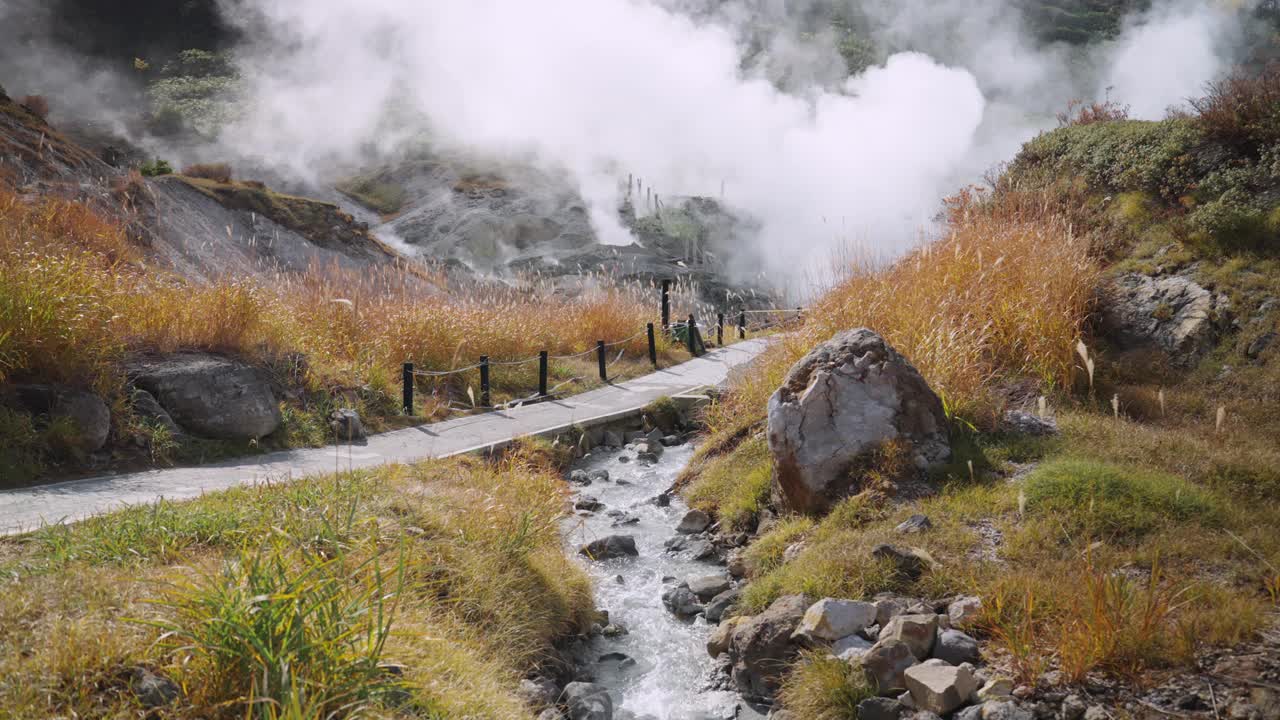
29,508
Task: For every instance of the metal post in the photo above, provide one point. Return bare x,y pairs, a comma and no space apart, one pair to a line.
542,374
604,372
720,329
408,389
484,381
653,348
690,340
666,304
799,314
742,325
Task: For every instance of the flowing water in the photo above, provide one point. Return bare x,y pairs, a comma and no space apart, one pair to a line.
670,675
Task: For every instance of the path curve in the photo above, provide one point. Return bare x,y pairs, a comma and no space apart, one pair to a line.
26,509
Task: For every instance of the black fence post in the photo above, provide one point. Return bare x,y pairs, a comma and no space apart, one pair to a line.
408,389
604,371
742,325
799,314
653,348
484,381
691,336
542,374
666,304
720,329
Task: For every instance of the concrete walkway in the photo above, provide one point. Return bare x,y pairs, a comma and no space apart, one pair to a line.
29,508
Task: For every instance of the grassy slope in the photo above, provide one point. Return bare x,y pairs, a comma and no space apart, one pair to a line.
453,570
1161,516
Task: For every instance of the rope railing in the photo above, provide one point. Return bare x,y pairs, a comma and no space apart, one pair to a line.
690,330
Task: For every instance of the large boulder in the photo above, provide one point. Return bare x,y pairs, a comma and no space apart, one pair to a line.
938,687
1172,312
86,413
761,648
840,404
212,396
610,547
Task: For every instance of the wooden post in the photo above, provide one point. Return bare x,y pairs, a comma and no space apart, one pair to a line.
604,371
720,329
666,304
653,348
542,374
484,381
408,389
690,340
742,325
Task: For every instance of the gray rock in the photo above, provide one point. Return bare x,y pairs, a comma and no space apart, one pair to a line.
647,457
579,477
1073,707
880,708
914,524
694,522
885,663
1173,313
852,648
1018,422
610,547
346,425
761,647
909,562
211,396
672,440
146,406
1096,712
614,630
917,631
939,688
1005,710
830,619
662,500
85,412
720,639
1259,345
550,714
973,712
889,607
612,439
956,647
838,405
721,603
682,601
153,690
539,693
588,503
964,611
598,475
588,701
995,689
708,586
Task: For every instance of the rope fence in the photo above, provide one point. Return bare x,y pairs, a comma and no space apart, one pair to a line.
687,333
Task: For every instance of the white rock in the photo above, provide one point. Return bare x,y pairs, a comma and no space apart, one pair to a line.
852,648
830,619
939,688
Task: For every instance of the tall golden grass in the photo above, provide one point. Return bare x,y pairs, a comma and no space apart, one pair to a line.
1004,293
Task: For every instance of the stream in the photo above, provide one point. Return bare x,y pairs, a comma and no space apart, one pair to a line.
671,672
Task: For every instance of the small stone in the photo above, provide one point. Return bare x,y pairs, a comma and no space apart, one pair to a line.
346,426
964,610
918,631
1022,692
662,500
880,708
613,630
1018,422
1096,712
956,647
579,477
737,565
1005,710
647,458
622,660
885,663
608,548
997,688
910,563
612,439
973,712
914,524
550,714
539,692
671,440
708,586
624,459
588,701
701,550
939,688
682,601
888,608
694,522
830,619
154,690
588,504
852,648
598,475
719,640
793,551
1073,707
721,603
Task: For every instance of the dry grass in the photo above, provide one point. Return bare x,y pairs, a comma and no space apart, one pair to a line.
37,104
299,594
1240,111
217,172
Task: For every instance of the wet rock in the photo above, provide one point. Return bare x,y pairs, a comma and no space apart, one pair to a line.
720,638
624,519
682,601
939,688
598,475
852,648
708,586
910,563
956,647
662,500
588,503
211,396
914,524
672,440
614,630
153,690
610,547
830,619
1173,313
721,603
86,413
917,631
880,708
622,660
612,440
647,458
761,647
694,522
539,693
885,663
964,610
346,425
588,701
701,550
1018,422
635,435
624,459
579,477
837,406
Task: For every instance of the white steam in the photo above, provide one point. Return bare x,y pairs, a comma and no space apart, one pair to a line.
600,89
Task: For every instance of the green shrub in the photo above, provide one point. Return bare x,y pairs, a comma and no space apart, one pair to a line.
821,687
156,168
1232,224
1105,500
734,486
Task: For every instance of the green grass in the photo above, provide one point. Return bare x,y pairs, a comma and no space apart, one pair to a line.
735,486
821,687
1105,500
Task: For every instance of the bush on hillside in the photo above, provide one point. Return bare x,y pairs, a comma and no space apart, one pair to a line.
1243,111
156,168
1080,113
217,172
37,104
